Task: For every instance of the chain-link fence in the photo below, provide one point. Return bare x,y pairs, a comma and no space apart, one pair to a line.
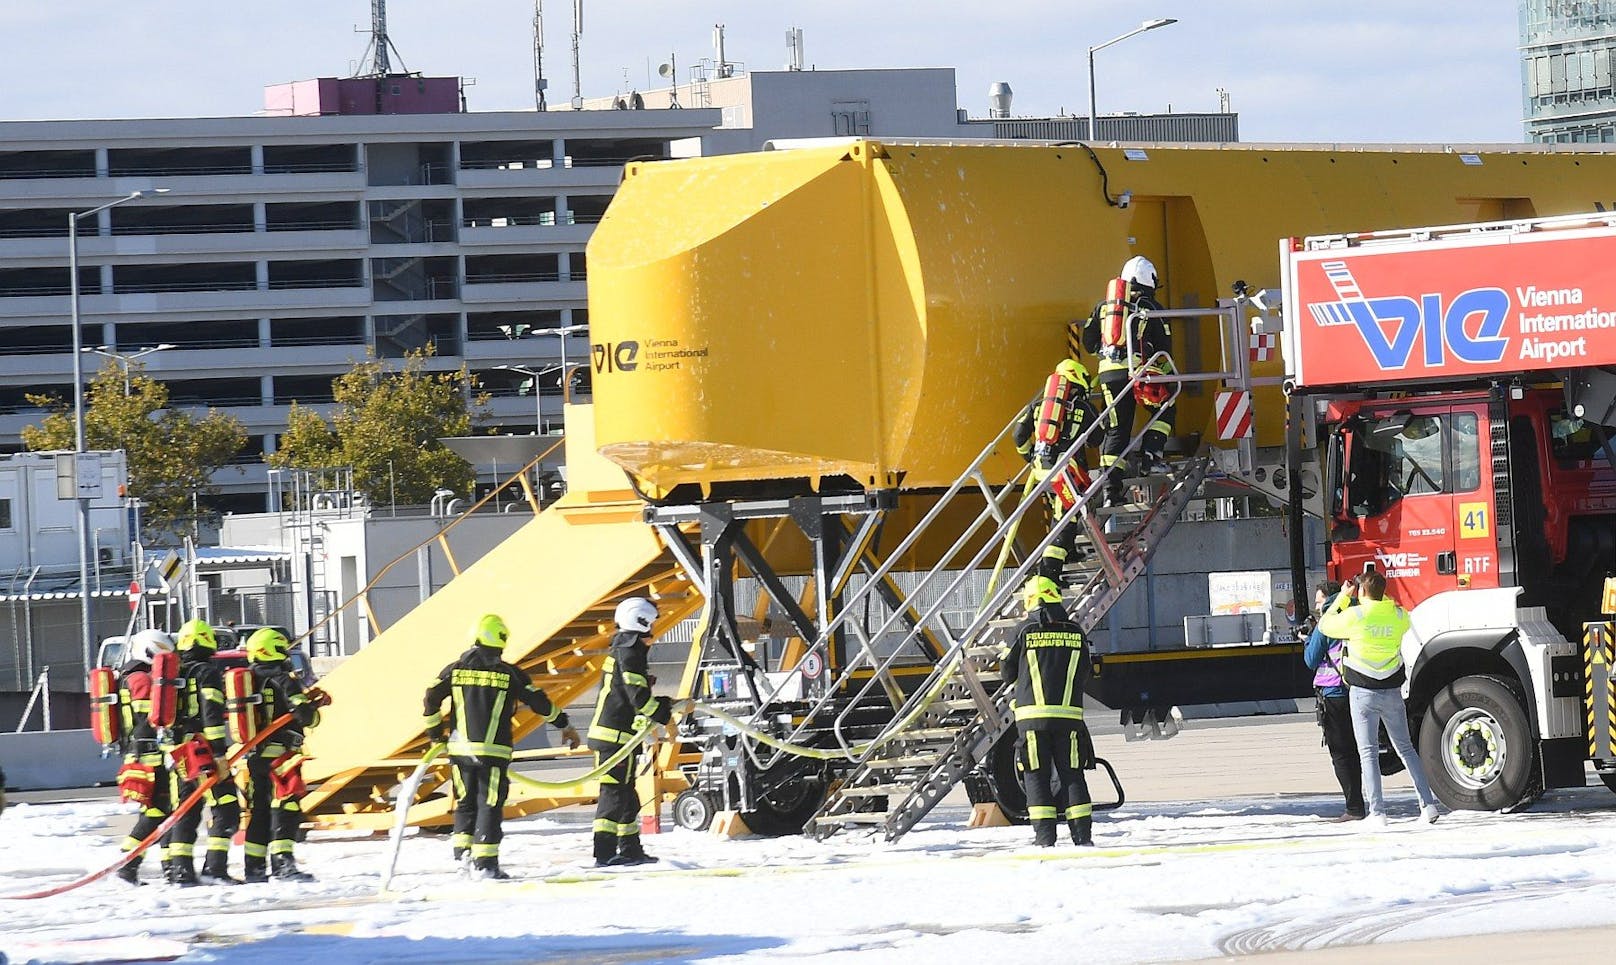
35,634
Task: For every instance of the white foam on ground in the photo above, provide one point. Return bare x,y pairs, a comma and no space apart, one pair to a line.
1167,882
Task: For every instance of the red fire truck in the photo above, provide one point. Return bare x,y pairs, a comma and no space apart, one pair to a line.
1462,381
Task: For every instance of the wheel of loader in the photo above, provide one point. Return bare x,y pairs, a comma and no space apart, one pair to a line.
693,810
1609,779
1004,779
786,808
1477,746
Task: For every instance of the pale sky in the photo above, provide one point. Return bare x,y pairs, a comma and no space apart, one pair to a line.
1309,70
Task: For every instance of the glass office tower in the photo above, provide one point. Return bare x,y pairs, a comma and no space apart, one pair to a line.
1566,52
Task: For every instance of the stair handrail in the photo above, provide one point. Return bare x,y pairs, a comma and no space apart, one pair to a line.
946,665
972,473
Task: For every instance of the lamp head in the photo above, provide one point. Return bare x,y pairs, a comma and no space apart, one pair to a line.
1159,22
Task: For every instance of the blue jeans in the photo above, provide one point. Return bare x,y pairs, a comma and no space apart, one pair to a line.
1370,709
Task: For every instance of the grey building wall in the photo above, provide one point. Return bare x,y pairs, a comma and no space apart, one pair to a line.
1567,49
288,247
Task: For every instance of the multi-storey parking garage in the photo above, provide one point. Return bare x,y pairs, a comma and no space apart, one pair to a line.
286,248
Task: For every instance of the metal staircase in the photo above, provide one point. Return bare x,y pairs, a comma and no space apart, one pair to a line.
969,707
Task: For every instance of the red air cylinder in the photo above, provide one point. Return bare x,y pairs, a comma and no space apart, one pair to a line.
105,724
240,704
165,692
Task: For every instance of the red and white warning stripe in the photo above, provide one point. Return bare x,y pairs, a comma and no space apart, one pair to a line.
1234,415
1262,347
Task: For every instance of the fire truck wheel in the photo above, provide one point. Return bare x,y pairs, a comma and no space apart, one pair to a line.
693,810
1477,746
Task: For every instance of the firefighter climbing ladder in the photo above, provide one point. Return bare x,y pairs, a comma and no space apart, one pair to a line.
972,709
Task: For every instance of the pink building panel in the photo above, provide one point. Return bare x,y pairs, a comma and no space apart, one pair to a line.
395,94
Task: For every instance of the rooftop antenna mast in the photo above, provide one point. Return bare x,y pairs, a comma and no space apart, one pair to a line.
577,76
376,50
539,83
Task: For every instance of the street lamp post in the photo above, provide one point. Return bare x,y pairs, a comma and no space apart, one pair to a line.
73,219
538,397
125,361
566,371
1094,134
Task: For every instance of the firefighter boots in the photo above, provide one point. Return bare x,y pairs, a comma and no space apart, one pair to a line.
182,872
605,848
1043,833
216,869
130,873
254,871
284,868
1082,831
487,869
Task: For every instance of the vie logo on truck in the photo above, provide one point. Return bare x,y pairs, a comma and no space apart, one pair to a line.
1462,306
1391,325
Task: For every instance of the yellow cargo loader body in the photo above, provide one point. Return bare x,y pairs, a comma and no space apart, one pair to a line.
878,310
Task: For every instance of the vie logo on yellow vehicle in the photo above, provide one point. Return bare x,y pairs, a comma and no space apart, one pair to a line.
616,356
1473,521
658,355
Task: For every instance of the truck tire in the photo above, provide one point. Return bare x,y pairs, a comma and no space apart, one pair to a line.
1477,747
1608,778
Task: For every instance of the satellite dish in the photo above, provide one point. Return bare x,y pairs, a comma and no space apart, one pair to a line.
664,70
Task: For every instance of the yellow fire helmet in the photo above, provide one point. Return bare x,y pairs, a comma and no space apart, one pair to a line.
196,633
1073,371
1038,591
267,645
491,631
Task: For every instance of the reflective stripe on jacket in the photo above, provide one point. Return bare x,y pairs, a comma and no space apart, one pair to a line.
625,692
1374,632
1048,664
483,691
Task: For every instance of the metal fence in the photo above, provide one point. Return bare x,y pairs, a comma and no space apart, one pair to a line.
36,634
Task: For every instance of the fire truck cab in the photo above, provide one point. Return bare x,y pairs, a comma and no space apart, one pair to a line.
1475,473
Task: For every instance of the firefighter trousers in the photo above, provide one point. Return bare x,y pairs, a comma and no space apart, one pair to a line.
1060,498
480,790
272,825
225,818
1120,408
617,811
1051,756
152,815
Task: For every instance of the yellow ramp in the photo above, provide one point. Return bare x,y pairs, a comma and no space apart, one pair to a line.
555,581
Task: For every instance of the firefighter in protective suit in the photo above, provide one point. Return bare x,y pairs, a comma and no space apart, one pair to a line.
199,741
274,768
143,778
625,705
483,690
1129,301
1047,428
1047,664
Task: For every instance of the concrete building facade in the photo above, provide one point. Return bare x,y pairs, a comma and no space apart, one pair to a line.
288,247
760,106
1567,49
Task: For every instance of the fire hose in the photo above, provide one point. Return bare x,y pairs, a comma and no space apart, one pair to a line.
190,801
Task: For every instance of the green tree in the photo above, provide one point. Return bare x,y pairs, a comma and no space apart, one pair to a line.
386,426
172,454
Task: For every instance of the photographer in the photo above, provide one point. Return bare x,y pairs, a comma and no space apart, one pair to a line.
1373,671
1323,656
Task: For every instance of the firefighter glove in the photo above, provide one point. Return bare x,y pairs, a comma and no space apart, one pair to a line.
570,735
